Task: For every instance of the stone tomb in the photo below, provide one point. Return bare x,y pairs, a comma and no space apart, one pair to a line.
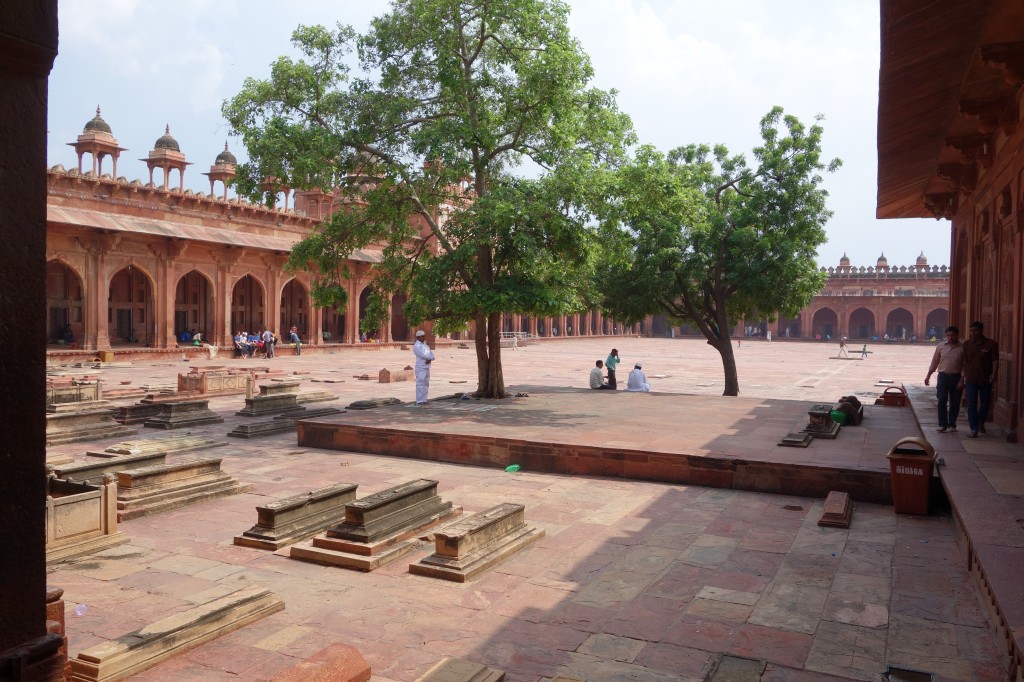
295,518
281,423
149,407
184,414
821,424
276,397
80,518
136,651
461,670
379,528
153,489
167,445
81,425
214,381
389,376
468,547
93,471
838,510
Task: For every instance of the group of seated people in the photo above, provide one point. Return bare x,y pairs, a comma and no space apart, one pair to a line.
248,345
191,336
637,381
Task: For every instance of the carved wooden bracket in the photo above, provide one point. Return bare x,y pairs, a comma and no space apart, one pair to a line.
963,176
989,111
941,204
1008,57
972,148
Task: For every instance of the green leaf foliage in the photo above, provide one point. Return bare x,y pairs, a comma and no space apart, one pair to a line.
708,238
420,141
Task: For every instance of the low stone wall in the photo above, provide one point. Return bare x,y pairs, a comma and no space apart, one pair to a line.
80,518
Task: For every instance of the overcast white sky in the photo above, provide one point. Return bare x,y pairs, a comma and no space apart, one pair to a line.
687,71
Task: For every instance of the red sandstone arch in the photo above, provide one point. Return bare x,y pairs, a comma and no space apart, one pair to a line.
193,304
65,302
939,319
399,323
332,321
364,299
130,312
862,324
294,308
247,305
899,324
825,323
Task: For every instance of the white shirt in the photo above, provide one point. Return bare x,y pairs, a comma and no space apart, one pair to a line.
637,381
423,353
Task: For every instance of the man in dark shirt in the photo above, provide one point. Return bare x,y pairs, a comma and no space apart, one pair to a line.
981,370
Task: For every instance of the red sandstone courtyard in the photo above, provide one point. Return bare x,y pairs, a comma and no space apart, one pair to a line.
634,579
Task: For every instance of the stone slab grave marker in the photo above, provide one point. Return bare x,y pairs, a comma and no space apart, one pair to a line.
272,399
379,528
796,439
838,510
282,423
821,424
389,376
136,651
471,545
150,406
184,414
81,518
371,403
286,521
76,426
153,489
93,471
167,445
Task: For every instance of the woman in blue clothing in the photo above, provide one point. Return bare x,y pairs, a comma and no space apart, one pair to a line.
610,363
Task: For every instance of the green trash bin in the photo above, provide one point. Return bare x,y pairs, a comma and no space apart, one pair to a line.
911,462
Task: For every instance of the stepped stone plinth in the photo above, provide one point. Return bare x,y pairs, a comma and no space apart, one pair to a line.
80,406
81,518
184,414
295,518
380,528
81,425
149,407
136,651
93,471
273,398
153,489
468,547
282,423
172,444
214,381
820,423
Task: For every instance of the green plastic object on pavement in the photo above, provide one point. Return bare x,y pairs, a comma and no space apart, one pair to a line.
512,467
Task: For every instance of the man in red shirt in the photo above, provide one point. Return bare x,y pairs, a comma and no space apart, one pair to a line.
981,371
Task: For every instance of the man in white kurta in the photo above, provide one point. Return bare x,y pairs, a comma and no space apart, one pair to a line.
424,356
637,381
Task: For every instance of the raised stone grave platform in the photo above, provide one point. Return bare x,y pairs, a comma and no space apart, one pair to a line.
77,426
149,407
371,403
837,511
184,414
172,444
390,376
282,423
81,406
460,670
93,471
295,518
379,528
147,646
153,489
214,381
81,518
470,546
307,397
273,398
60,391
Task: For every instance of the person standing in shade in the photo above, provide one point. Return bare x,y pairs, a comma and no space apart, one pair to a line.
981,371
597,377
948,359
293,336
610,363
268,343
637,381
424,356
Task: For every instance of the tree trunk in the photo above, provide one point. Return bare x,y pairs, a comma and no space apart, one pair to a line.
732,381
490,381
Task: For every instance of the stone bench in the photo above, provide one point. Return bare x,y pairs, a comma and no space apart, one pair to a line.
471,545
153,489
81,518
379,528
136,651
295,518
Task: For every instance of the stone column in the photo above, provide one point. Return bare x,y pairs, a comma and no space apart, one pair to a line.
222,312
352,313
28,46
163,301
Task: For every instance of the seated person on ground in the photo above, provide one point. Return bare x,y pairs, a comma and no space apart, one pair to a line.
637,381
597,379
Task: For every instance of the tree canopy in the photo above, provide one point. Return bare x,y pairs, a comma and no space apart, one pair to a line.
704,237
422,141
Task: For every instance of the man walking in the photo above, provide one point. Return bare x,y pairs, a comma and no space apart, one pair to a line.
424,356
949,361
981,371
610,363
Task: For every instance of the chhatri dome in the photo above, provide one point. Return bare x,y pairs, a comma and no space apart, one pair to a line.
225,156
166,141
922,262
882,262
844,261
97,124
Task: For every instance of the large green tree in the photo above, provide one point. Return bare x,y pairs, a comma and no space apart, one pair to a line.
706,238
423,139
